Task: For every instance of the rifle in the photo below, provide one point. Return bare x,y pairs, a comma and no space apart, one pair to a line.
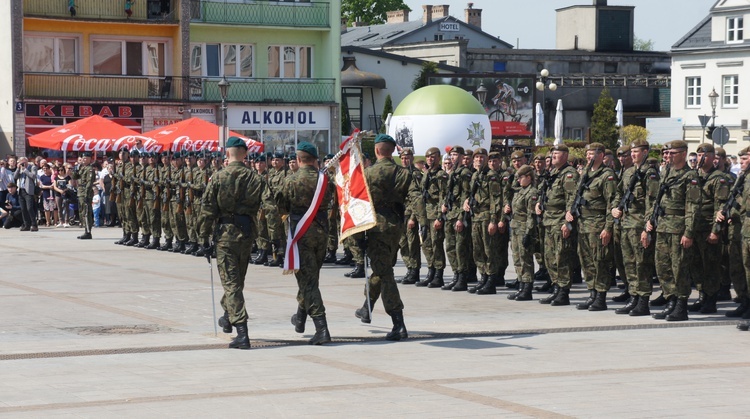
131,202
155,187
579,201
115,192
658,211
547,180
508,217
189,197
737,190
166,194
627,197
181,191
142,191
472,199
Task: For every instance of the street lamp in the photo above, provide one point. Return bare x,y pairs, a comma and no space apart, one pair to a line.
224,91
712,97
542,85
481,93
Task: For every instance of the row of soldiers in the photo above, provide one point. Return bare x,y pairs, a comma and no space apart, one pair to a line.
673,223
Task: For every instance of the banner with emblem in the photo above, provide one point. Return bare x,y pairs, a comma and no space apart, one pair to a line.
355,201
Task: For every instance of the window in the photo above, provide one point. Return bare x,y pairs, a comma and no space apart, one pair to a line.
216,60
131,58
49,54
438,36
735,29
731,90
293,62
693,92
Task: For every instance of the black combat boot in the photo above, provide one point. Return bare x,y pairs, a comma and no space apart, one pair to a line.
299,319
490,287
454,281
167,245
330,257
671,302
461,283
546,287
724,293
409,273
709,304
254,249
600,302
524,294
471,275
262,258
512,295
744,326
241,341
413,278
627,308
575,276
133,240
430,277
562,299
680,312
482,281
191,248
555,292
625,296
346,259
321,331
144,241
541,275
586,304
698,304
741,309
201,250
125,238
178,247
642,308
437,282
363,313
399,330
276,261
154,243
226,327
658,301
513,285
85,236
500,279
357,272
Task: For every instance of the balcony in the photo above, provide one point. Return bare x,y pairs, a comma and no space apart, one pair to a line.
302,14
170,88
148,11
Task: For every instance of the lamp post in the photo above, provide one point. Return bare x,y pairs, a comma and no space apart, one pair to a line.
712,97
481,93
224,91
542,85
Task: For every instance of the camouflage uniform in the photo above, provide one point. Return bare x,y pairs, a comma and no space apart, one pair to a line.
190,213
152,202
524,224
485,185
744,214
263,242
411,252
433,184
177,192
85,176
165,210
129,216
457,245
140,210
275,225
198,187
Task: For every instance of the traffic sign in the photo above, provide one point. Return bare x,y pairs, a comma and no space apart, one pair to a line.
720,135
704,120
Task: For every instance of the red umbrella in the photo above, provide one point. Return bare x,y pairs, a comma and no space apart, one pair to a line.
196,134
92,134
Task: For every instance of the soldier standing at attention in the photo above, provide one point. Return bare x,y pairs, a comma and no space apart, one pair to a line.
434,234
675,231
152,202
558,247
263,242
232,200
523,232
201,174
86,176
166,224
177,192
618,264
140,209
120,186
509,187
457,232
411,251
389,184
595,226
130,196
295,199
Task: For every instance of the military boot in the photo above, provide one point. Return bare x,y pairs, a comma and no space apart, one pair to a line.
437,282
541,275
413,278
454,281
461,283
709,304
500,279
276,261
85,236
409,272
144,241
363,313
658,301
555,292
546,287
512,295
430,277
399,330
299,319
482,281
226,327
586,304
671,302
513,285
178,247
471,275
154,243
744,326
741,309
490,287
680,312
575,276
125,238
191,248
698,304
330,257
262,258
625,296
600,302
133,240
524,294
167,245
357,272
724,293
627,308
201,250
746,315
346,259
641,309
562,299
321,331
241,341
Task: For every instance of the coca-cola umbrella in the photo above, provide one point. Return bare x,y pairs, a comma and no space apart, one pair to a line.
196,134
93,133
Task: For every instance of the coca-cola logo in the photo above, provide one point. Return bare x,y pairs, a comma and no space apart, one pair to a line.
185,143
77,142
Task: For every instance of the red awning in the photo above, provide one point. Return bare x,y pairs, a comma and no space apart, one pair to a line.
92,134
195,134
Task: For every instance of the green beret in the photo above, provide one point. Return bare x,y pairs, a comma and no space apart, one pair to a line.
480,152
622,151
278,155
524,170
432,150
596,147
518,154
134,153
236,142
165,153
639,143
86,154
560,147
706,148
384,138
678,144
307,148
456,149
745,151
124,149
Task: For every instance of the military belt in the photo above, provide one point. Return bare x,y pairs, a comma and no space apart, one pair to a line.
669,211
554,208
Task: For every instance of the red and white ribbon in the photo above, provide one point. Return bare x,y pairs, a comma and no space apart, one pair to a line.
291,261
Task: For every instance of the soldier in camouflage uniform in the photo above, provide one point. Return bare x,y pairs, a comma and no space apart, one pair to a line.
275,226
558,244
152,201
509,187
165,172
231,201
190,213
85,175
177,210
334,215
618,264
389,185
638,260
411,252
595,226
675,232
263,242
715,186
523,232
457,232
433,228
119,187
130,197
540,175
295,199
140,210
201,174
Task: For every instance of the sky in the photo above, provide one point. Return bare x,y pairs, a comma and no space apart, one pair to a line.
530,24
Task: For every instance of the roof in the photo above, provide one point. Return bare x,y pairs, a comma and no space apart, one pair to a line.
396,57
698,37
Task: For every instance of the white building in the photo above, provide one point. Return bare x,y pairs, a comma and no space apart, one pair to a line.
715,55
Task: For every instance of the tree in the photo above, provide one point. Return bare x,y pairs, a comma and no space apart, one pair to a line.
604,120
631,133
428,67
369,12
642,44
387,109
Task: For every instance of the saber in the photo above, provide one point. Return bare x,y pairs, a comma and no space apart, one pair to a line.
213,298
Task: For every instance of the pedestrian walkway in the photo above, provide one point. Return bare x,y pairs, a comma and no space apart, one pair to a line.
90,329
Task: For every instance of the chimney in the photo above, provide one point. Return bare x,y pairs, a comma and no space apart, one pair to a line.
427,15
473,16
398,16
600,3
440,11
343,25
